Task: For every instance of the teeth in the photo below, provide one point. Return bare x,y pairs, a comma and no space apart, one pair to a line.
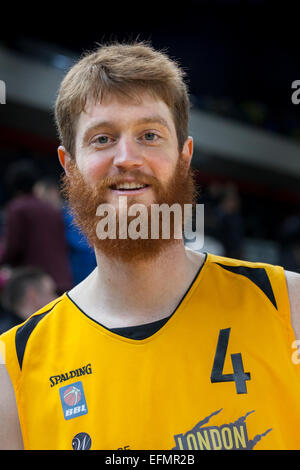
130,186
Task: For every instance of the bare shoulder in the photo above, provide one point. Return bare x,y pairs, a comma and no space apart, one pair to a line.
10,432
293,285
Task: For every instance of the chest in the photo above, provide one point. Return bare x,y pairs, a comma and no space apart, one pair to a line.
189,386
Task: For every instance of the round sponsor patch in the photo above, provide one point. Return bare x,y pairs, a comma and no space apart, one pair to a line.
81,441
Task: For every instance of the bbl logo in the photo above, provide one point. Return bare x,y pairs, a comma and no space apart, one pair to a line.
73,400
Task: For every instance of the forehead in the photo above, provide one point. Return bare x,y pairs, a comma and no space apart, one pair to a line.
124,111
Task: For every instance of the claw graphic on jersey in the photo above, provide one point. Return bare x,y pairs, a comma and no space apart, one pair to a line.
232,436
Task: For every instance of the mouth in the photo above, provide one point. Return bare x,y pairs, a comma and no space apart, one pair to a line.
129,188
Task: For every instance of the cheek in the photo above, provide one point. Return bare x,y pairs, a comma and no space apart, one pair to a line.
92,169
163,169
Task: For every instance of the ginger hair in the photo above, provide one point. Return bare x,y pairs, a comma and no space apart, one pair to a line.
125,70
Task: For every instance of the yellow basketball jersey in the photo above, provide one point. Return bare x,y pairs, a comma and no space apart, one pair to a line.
219,374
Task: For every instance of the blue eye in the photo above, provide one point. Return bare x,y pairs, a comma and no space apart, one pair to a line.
102,139
150,136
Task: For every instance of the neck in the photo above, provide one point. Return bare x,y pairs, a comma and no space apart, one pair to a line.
140,292
139,281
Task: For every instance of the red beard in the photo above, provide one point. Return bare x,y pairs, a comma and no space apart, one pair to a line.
84,201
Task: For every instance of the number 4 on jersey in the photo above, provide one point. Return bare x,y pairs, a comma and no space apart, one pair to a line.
238,376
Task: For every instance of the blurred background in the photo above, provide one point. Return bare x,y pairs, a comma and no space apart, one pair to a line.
241,59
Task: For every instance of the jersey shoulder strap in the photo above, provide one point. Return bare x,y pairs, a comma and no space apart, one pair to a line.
14,341
269,279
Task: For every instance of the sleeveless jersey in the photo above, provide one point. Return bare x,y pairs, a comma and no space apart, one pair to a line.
219,374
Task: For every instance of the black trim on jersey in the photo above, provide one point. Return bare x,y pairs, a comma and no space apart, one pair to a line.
146,330
257,275
23,333
140,331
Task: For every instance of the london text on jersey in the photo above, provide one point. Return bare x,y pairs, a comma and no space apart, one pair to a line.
232,436
56,379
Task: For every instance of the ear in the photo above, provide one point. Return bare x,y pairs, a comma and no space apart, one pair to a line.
187,151
64,157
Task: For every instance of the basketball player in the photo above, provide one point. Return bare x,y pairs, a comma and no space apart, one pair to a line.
159,347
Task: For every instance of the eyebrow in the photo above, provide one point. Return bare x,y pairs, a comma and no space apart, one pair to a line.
146,120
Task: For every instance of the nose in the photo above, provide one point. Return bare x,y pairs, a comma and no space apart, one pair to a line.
128,155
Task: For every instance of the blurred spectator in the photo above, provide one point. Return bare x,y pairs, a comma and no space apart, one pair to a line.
230,223
5,274
82,256
212,199
289,238
47,189
27,290
34,233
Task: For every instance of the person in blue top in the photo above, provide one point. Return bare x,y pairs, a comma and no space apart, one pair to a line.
82,256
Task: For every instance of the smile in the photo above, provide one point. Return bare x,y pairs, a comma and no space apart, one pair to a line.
129,187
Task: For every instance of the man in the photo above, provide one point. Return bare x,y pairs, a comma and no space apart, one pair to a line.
26,291
159,347
34,232
47,189
81,256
